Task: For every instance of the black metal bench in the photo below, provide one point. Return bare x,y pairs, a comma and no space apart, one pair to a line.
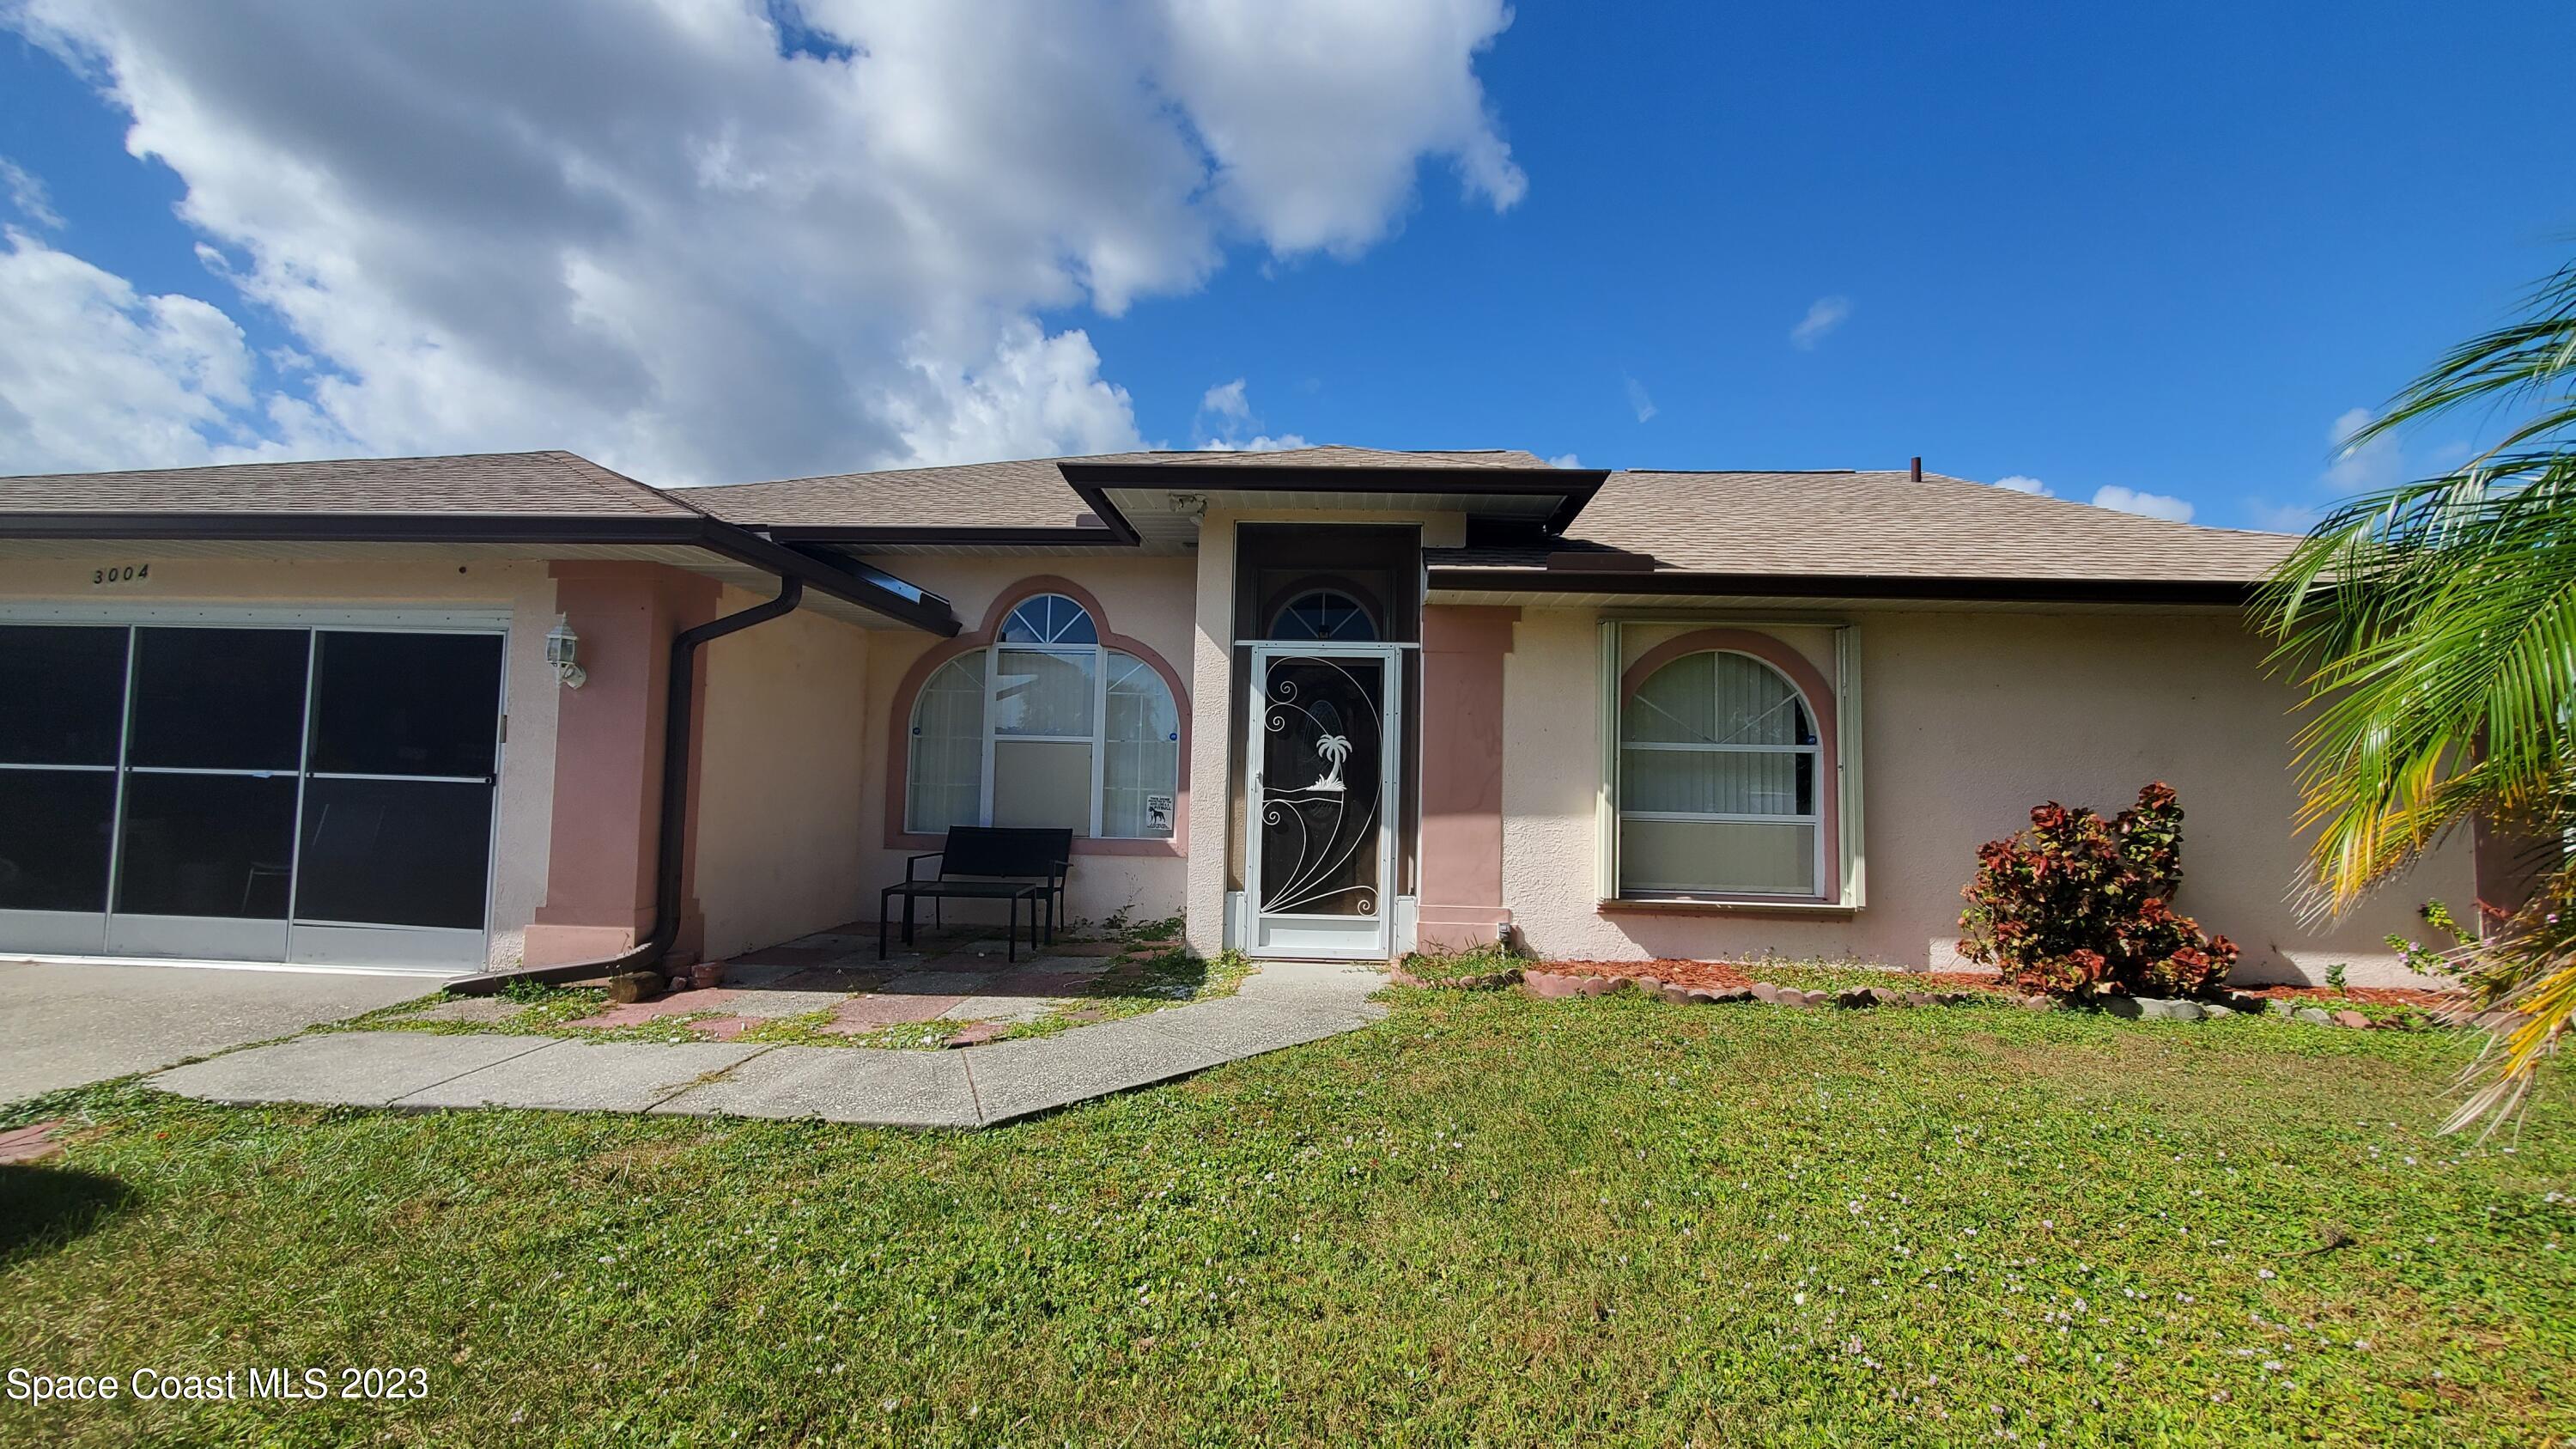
987,863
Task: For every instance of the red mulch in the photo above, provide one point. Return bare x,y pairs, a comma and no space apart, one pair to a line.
2414,996
1727,975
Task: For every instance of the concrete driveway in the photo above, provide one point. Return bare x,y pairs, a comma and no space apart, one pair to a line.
63,1025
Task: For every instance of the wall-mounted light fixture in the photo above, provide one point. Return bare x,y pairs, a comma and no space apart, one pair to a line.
561,641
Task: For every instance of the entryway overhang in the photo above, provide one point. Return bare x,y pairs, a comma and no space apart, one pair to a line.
1158,505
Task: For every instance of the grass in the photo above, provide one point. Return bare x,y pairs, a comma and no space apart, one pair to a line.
1485,1219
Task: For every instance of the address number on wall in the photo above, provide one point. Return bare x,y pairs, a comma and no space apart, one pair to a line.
119,574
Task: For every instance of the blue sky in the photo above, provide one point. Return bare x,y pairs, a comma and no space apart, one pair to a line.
2163,252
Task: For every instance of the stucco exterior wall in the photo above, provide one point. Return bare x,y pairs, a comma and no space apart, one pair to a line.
525,807
781,837
1149,600
1969,720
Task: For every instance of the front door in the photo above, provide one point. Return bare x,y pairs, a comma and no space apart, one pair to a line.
1320,839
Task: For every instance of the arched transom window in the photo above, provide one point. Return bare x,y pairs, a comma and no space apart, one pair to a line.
1323,614
1718,789
1045,727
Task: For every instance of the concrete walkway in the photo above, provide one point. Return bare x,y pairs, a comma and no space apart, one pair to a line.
64,1024
1282,1004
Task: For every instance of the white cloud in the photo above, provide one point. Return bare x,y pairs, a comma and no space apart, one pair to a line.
639,231
2150,505
94,374
1225,415
1262,444
1565,460
2020,484
1823,316
2364,467
2281,517
1638,402
1227,400
27,194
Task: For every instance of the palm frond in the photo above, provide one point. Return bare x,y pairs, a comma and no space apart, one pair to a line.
2433,627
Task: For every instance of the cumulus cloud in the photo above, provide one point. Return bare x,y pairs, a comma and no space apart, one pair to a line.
2110,495
1823,316
1565,460
2150,505
717,241
1225,416
94,374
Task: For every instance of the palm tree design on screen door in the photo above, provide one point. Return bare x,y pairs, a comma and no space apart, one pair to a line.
1334,749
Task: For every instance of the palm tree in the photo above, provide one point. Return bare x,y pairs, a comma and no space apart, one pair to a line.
1334,749
2434,627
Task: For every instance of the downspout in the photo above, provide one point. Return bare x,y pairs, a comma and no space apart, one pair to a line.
671,851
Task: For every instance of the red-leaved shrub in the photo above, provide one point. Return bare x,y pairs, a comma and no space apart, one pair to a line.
2078,906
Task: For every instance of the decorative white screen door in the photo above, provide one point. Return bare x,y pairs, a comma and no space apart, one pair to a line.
1322,771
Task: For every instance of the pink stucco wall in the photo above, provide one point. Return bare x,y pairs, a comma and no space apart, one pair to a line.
1968,720
608,759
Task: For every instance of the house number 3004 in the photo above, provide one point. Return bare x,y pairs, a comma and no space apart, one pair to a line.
119,574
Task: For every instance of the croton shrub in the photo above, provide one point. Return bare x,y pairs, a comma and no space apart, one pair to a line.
2077,905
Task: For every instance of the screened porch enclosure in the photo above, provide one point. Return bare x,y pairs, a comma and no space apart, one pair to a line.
255,792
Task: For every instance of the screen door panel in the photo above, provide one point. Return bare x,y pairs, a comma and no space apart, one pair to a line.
1324,753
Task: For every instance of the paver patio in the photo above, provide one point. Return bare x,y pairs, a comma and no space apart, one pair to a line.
1282,1004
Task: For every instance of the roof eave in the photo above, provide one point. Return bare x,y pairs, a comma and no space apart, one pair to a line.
1848,586
689,530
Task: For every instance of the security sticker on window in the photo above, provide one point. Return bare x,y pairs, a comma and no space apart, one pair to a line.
1158,815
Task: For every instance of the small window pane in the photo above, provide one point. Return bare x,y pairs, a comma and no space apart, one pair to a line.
219,699
1140,775
405,704
62,694
1042,782
1049,619
1323,614
207,845
395,852
1714,782
1716,857
53,839
1043,694
945,760
1676,705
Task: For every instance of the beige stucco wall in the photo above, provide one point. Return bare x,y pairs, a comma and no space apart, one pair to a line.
1146,599
1968,720
525,809
782,791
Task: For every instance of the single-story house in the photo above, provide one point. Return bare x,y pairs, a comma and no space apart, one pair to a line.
508,710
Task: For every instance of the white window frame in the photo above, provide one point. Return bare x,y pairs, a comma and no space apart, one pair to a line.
1098,739
1851,866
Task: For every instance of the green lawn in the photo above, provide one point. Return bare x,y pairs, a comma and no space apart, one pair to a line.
1485,1219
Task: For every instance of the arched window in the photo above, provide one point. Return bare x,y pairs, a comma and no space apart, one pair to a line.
1323,614
1045,727
1718,787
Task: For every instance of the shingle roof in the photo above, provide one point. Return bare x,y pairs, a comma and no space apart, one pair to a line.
550,484
1875,524
1024,493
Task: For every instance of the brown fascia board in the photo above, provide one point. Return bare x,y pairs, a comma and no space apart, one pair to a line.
696,530
1853,586
1094,480
859,536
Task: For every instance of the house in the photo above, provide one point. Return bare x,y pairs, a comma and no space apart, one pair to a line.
517,709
